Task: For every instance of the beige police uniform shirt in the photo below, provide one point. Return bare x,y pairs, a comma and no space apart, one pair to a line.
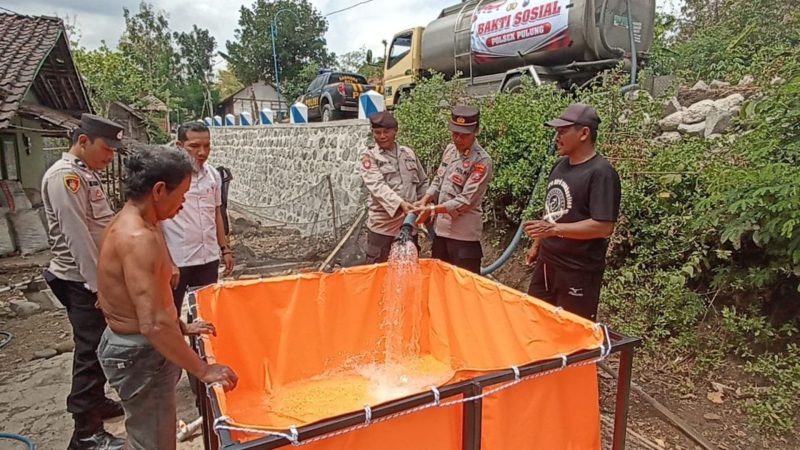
459,186
77,211
391,176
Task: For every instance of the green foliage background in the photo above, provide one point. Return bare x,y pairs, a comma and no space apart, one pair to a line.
705,261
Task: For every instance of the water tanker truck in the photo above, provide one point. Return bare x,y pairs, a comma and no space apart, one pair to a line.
492,44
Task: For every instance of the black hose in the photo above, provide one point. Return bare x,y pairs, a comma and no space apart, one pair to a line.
8,338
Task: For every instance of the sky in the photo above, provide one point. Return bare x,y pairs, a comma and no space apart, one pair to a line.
364,25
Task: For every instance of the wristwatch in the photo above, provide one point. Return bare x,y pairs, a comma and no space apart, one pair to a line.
433,210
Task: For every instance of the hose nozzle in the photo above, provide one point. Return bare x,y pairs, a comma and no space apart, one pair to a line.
406,228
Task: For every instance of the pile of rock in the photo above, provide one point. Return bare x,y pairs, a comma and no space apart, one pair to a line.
704,111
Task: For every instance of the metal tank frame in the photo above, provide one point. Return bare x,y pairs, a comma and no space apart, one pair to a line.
221,439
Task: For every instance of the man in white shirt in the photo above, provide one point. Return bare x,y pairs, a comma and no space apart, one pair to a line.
196,235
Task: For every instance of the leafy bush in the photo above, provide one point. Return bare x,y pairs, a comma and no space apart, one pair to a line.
709,234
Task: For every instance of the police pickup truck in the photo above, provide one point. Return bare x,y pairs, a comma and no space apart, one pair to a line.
334,95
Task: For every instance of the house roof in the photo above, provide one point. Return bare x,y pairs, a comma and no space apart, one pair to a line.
35,58
231,96
129,110
153,103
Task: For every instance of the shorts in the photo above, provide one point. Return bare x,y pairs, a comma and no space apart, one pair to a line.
577,291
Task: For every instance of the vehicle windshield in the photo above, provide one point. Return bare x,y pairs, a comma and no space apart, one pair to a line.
347,78
401,45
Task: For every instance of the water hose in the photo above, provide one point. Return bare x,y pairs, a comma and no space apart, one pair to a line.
634,58
16,437
518,235
8,338
406,228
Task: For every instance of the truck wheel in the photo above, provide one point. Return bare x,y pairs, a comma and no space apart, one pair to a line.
328,113
514,85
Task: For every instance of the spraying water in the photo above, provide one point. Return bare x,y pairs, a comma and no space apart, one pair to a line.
398,368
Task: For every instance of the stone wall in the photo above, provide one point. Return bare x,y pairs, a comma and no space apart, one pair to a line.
280,172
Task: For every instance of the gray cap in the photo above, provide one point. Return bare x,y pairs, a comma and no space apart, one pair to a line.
100,127
577,114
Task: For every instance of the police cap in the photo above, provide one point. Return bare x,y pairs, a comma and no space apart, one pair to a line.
464,119
100,127
383,119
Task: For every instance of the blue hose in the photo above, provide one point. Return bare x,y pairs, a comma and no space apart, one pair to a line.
16,437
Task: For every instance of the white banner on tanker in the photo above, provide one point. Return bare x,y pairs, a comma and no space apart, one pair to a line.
510,27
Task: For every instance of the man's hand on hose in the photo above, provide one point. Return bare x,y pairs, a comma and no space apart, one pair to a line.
218,373
199,327
176,277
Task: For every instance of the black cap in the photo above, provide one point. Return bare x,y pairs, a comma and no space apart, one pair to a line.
383,119
464,119
100,127
577,114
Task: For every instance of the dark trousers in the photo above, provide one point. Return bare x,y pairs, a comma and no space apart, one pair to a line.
88,380
194,276
379,246
464,254
577,291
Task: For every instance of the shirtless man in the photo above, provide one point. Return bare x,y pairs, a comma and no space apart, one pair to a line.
142,350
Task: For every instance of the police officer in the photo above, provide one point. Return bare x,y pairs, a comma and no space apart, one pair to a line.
456,193
395,179
78,211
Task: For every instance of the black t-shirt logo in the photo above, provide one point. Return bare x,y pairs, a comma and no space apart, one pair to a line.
558,200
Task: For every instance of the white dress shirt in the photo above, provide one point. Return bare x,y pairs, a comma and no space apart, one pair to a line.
192,234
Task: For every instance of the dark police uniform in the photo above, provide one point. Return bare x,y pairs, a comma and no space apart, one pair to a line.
78,211
459,186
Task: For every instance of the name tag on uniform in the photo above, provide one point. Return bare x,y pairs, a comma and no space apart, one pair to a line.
94,183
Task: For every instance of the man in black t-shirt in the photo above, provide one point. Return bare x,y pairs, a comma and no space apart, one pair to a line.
581,208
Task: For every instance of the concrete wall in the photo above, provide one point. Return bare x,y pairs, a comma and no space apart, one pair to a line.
279,172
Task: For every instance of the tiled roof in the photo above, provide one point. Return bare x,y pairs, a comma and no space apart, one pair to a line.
27,45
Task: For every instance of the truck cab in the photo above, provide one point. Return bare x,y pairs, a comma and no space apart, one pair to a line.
402,64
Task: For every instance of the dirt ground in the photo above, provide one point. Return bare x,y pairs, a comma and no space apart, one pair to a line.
33,391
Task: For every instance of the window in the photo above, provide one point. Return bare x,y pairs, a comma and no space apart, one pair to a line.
347,78
9,158
401,45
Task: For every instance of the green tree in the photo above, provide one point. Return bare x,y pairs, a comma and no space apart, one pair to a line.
197,52
300,29
148,44
296,86
227,83
356,62
109,76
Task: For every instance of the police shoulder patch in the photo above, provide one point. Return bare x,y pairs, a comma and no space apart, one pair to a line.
72,182
366,162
